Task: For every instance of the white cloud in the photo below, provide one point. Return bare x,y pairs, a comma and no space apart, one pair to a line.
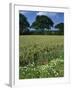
23,12
47,13
42,13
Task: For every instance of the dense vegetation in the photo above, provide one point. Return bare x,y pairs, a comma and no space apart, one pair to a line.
42,22
41,56
41,48
42,26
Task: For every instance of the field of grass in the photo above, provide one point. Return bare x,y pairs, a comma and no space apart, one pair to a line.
41,56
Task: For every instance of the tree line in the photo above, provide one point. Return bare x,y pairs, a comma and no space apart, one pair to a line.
42,26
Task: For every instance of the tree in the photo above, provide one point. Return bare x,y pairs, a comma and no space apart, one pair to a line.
23,24
42,22
60,26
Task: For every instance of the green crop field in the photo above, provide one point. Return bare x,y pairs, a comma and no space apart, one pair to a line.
41,56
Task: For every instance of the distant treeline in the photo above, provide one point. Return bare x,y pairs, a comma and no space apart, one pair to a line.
42,26
42,33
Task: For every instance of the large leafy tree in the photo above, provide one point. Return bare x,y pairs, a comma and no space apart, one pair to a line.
42,22
60,26
23,24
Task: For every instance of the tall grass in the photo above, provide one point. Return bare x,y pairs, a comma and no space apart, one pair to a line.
39,50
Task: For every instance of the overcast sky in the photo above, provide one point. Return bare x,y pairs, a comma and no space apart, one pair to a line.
57,17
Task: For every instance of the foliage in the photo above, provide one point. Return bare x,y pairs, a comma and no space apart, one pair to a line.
60,26
41,56
43,32
42,22
23,24
40,49
54,69
42,26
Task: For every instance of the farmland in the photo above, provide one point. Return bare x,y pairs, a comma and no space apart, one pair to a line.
41,56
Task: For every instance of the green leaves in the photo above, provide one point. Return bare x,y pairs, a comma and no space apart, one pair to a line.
54,69
60,26
42,22
40,49
41,56
23,24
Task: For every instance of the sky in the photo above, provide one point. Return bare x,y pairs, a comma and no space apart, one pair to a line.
57,17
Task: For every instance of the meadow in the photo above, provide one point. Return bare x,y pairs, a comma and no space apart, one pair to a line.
41,56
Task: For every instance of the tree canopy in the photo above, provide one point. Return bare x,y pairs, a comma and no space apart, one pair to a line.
23,23
41,26
60,26
42,22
